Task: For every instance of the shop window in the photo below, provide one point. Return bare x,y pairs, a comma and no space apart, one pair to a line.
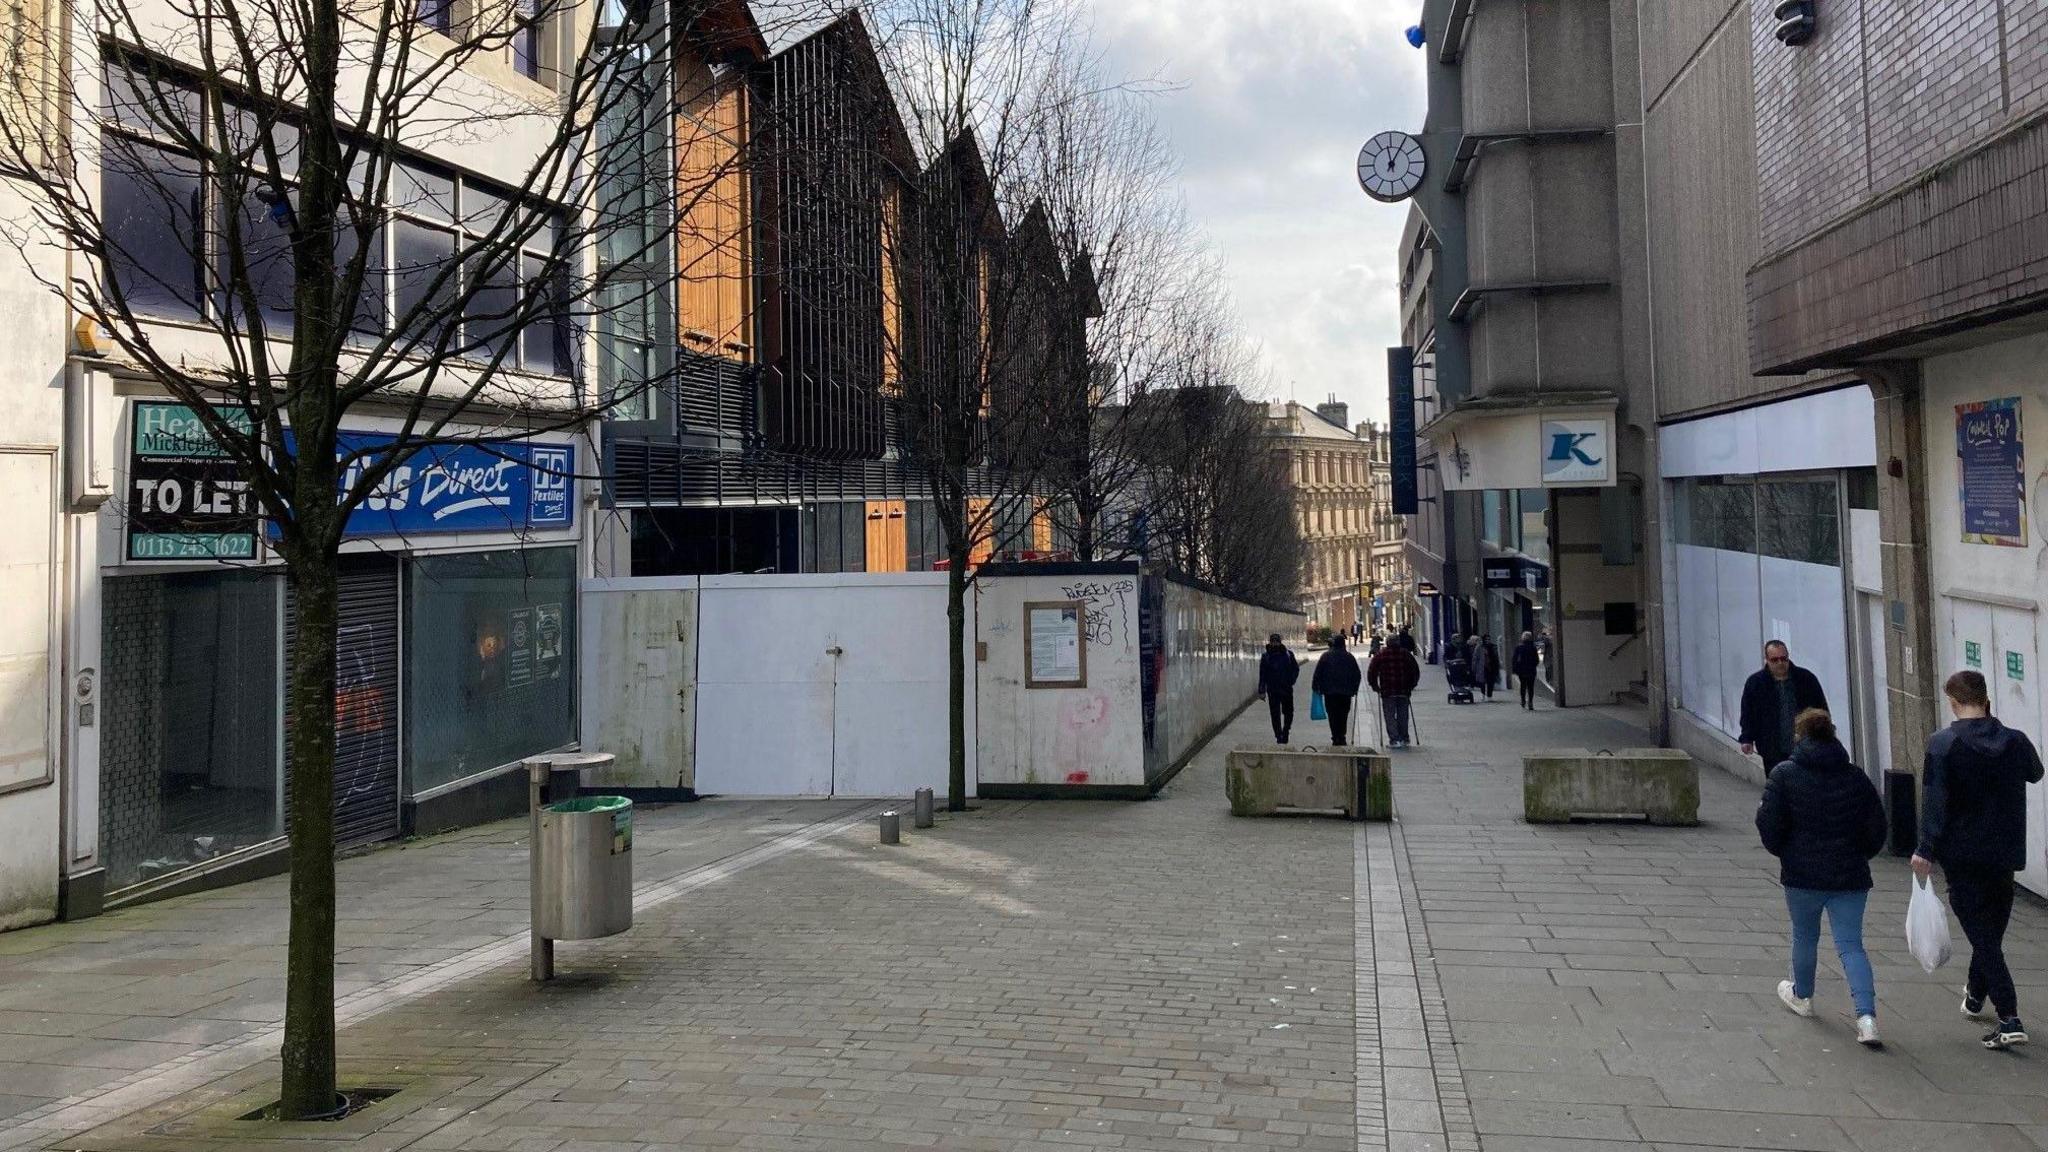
490,671
1799,520
189,727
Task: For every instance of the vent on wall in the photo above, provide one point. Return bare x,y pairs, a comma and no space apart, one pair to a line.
1796,23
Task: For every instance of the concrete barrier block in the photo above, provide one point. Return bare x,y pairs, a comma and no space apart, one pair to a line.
1660,785
1357,782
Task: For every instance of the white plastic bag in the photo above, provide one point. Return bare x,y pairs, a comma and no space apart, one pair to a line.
1927,926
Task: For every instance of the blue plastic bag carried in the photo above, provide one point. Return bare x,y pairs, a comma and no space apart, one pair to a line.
1316,711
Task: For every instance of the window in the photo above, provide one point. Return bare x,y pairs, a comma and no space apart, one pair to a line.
490,669
149,198
438,15
199,222
189,731
526,39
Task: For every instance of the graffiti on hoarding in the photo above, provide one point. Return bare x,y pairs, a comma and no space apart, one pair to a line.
1108,606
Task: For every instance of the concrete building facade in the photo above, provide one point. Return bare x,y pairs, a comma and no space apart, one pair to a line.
1901,155
36,578
1524,305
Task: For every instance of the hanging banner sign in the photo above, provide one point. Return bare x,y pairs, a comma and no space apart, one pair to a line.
491,486
187,497
1991,472
1401,429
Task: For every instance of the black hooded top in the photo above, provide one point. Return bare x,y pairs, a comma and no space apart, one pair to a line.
1821,817
1976,778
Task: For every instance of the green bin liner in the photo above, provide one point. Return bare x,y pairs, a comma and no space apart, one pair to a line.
620,808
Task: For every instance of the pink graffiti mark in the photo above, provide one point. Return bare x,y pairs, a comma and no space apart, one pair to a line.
1077,777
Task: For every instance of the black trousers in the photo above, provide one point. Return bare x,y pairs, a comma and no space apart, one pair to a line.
1528,684
1339,708
1982,898
1281,705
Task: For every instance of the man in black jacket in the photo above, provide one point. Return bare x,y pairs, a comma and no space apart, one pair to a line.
1522,666
1973,822
1337,678
1776,694
1278,670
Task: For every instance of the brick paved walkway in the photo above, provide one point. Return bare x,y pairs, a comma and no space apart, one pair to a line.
1134,976
1613,987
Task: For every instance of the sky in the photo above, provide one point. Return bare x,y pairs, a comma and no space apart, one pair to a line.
1267,103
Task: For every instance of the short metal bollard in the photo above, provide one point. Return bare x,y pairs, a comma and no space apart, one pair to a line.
892,828
921,808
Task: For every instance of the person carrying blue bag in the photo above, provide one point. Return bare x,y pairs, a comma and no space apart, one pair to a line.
1336,680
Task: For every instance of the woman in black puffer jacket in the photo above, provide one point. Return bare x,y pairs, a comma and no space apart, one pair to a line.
1821,817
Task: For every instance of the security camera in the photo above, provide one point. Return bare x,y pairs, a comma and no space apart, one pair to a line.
1796,23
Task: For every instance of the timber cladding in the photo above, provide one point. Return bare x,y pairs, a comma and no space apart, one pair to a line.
1902,176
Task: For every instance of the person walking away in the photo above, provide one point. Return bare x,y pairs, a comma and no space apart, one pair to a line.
1772,698
1822,818
1489,665
1405,640
1523,666
1278,670
1973,823
1337,678
1394,674
1378,642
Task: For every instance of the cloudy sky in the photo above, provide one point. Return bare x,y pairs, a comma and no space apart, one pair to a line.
1269,104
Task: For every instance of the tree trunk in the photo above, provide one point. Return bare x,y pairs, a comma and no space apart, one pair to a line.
308,1049
956,679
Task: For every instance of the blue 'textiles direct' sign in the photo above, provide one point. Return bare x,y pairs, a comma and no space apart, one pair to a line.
490,486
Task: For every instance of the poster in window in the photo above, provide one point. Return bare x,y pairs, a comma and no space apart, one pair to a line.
187,496
1991,472
1054,650
519,672
547,642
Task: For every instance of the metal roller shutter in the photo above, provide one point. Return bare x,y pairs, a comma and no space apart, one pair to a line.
365,701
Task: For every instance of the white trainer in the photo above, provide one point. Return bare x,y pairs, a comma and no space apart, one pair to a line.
1800,1006
1866,1032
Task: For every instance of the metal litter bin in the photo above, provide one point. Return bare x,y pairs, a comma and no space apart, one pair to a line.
586,869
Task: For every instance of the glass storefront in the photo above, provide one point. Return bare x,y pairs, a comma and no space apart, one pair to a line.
189,738
490,661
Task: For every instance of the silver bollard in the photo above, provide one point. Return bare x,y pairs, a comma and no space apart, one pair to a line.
892,828
921,808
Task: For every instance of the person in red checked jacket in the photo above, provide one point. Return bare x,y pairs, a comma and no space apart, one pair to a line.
1394,674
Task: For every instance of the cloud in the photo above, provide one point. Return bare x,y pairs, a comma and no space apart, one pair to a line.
1269,104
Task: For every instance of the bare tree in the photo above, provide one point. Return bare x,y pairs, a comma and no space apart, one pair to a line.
244,188
985,358
1213,490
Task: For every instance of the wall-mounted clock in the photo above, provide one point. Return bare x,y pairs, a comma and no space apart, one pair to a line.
1391,166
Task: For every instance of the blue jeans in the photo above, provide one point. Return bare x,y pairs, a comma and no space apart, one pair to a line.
1845,921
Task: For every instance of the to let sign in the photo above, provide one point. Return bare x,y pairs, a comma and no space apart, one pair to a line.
187,497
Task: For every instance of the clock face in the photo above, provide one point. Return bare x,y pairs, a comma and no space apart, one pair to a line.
1390,166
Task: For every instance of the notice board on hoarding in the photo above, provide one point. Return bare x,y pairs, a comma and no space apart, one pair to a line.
187,497
1055,644
1991,472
